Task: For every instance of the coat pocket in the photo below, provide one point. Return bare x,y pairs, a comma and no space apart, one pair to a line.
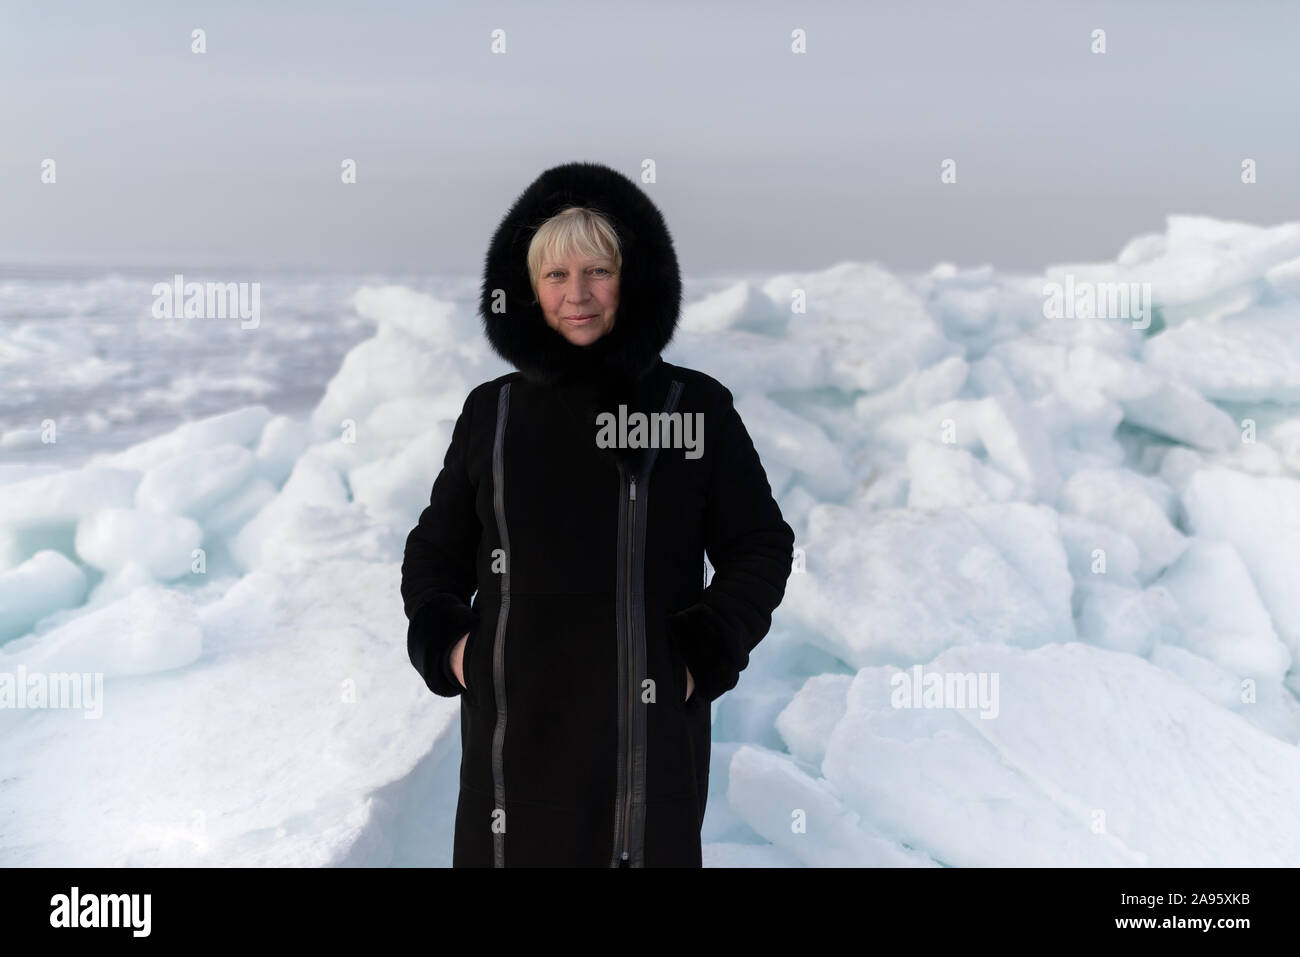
678,683
464,665
672,769
469,664
477,664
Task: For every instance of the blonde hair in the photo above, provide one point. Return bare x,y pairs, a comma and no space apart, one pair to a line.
574,229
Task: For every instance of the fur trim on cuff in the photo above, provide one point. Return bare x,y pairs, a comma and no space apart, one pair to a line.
433,632
697,638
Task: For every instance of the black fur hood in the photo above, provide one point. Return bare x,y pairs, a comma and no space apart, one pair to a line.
650,287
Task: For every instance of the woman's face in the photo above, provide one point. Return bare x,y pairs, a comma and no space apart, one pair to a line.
579,297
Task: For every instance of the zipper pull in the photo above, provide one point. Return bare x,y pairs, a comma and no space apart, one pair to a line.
632,491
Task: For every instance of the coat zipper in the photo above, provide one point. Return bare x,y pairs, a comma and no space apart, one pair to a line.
629,771
631,688
498,657
623,788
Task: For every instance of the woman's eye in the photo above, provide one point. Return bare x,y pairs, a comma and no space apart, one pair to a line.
560,272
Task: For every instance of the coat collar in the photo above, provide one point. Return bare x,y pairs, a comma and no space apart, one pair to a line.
587,398
650,287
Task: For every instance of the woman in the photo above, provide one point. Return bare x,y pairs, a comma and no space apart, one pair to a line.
588,657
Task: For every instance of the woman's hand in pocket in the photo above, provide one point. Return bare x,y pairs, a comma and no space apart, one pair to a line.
457,656
690,684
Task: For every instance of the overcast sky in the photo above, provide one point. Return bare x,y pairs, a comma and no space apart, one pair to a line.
766,160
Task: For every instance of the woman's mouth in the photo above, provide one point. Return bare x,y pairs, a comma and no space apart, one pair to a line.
579,320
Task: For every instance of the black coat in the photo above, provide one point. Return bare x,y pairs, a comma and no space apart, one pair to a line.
578,571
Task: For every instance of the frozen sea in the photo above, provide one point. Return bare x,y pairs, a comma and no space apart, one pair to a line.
1044,609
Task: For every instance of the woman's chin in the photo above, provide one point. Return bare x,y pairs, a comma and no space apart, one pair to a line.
581,337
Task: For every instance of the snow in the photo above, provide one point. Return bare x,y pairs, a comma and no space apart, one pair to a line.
1260,517
1224,619
60,499
1097,758
1130,503
1253,355
148,630
164,543
40,586
896,583
1096,520
193,484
